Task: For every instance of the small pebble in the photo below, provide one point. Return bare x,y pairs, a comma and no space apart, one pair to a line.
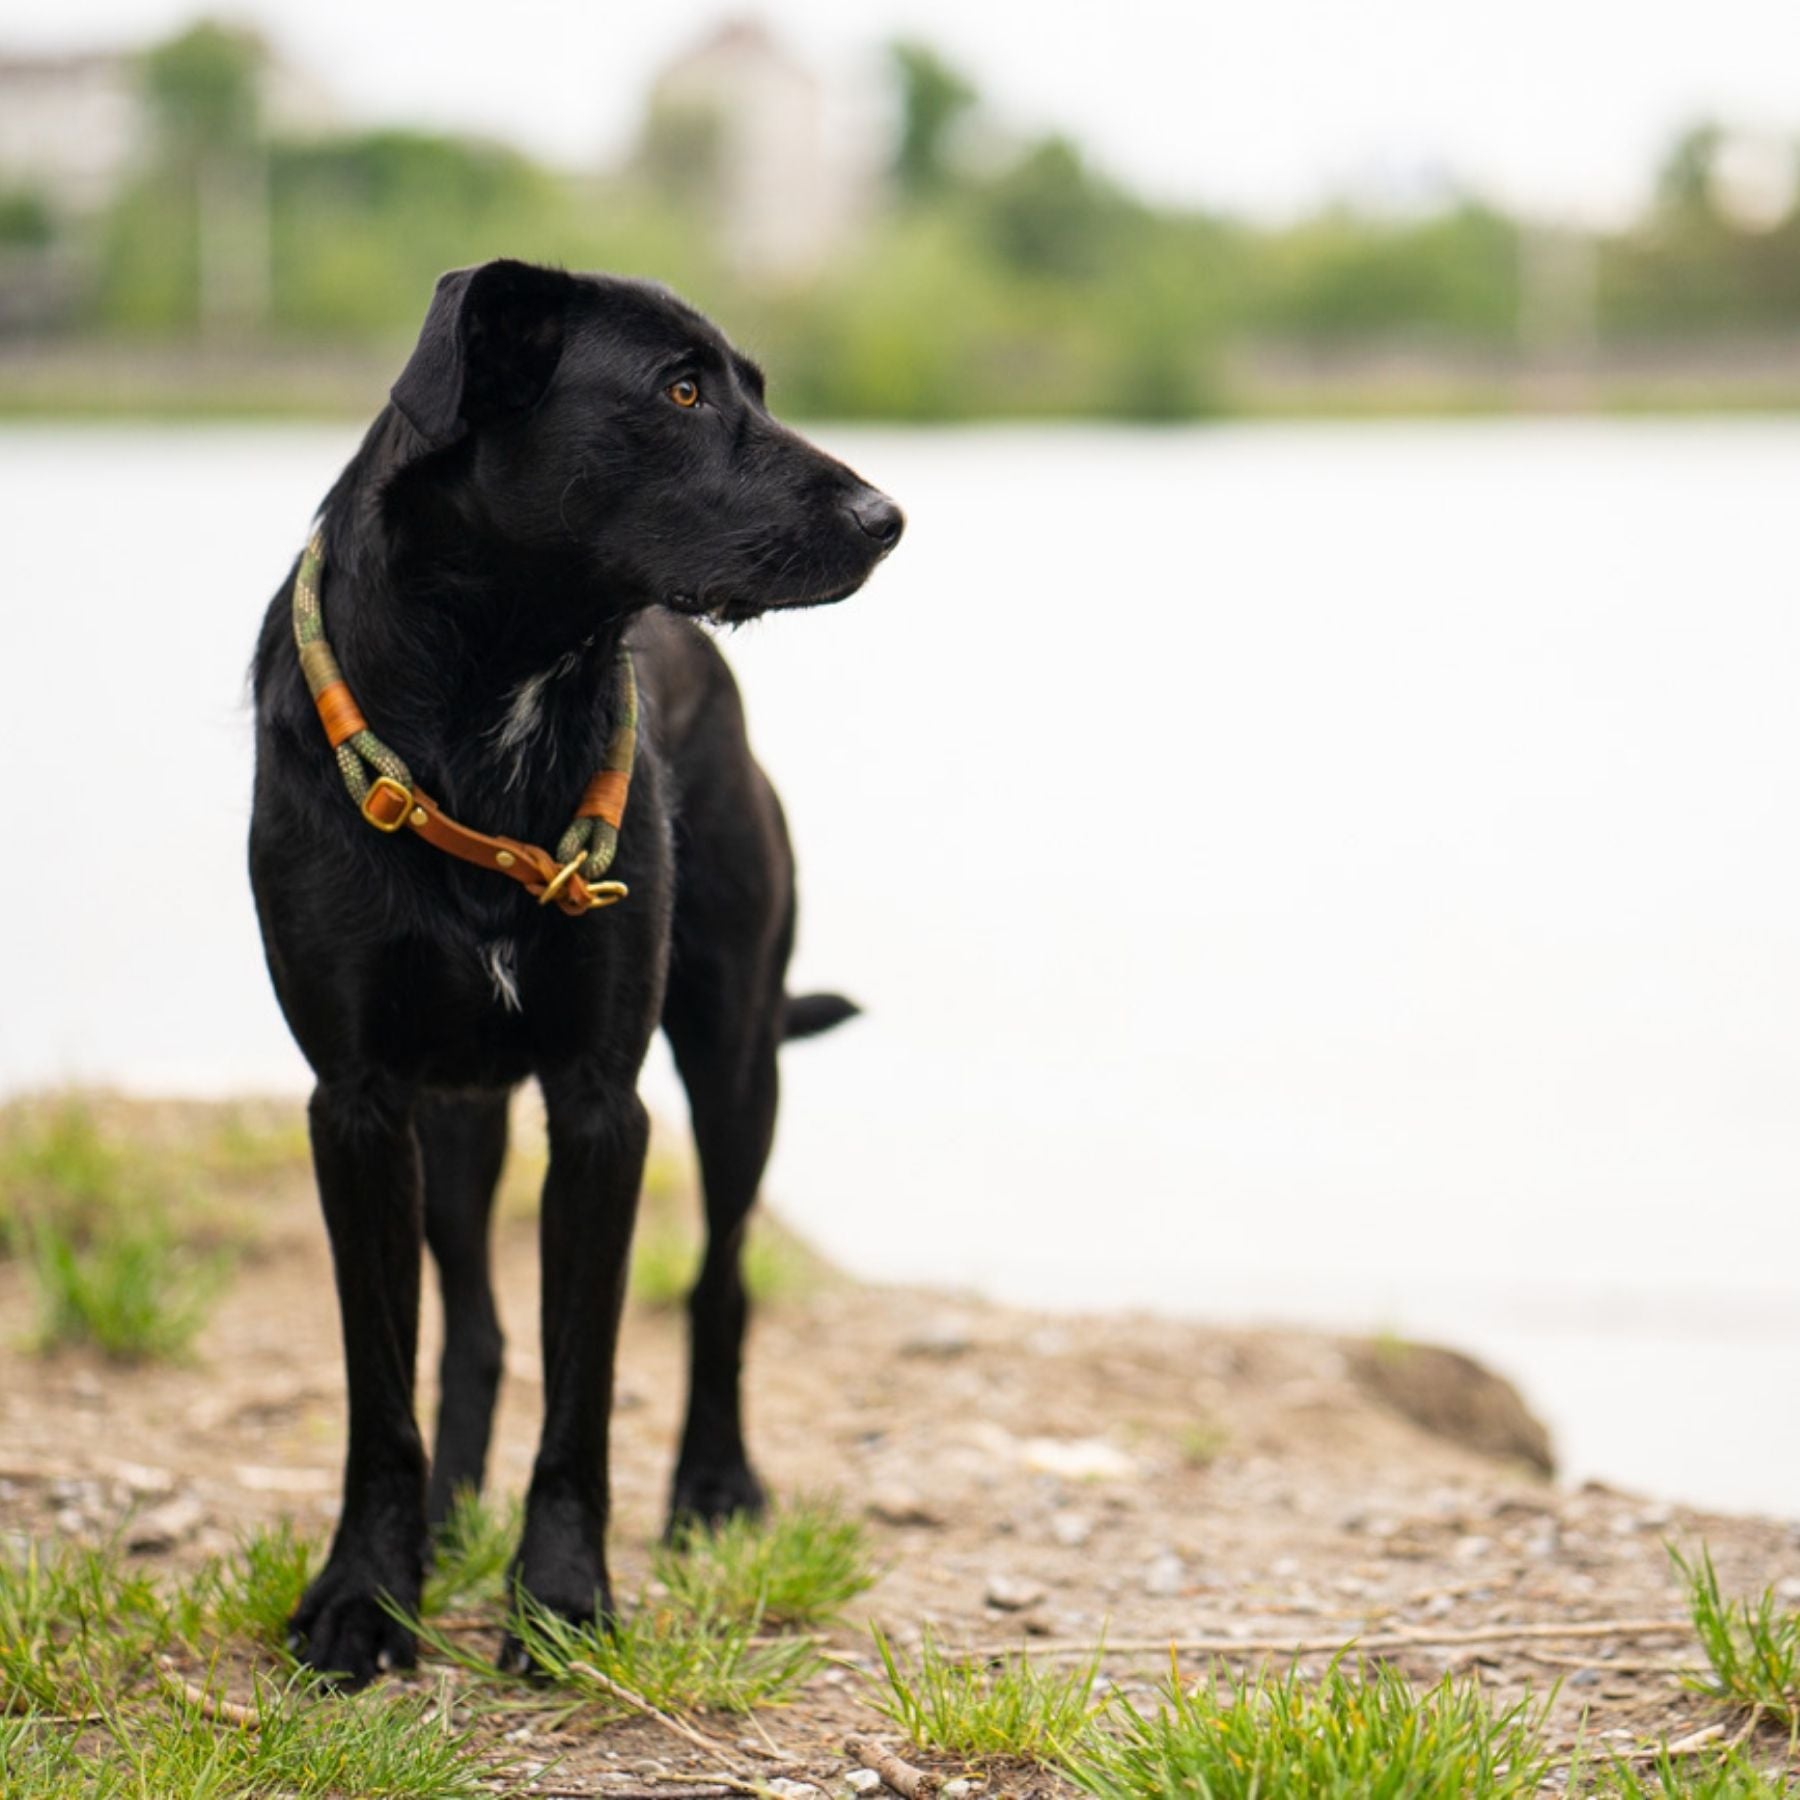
1012,1593
901,1506
1071,1529
1165,1575
863,1781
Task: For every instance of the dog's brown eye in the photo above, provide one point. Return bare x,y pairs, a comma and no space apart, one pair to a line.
684,392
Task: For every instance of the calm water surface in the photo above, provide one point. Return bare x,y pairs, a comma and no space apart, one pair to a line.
1344,875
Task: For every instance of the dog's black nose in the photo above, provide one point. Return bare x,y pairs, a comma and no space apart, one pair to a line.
877,516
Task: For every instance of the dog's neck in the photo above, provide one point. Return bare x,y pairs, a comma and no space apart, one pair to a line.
497,690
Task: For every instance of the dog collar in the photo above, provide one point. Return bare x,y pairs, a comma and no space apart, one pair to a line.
388,797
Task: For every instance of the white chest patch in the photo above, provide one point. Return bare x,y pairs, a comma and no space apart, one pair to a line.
499,956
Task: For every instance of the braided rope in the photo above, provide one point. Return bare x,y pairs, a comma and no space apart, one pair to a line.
595,840
599,838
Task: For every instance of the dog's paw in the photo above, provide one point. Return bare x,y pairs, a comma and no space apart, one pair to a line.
707,1497
343,1632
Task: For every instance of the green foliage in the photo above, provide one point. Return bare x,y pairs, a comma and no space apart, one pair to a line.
26,221
1359,1734
934,99
81,1640
1021,286
1047,215
801,1564
254,1592
677,1661
103,1237
1753,1649
204,87
133,1293
375,1746
986,1709
125,1249
1730,1777
471,1554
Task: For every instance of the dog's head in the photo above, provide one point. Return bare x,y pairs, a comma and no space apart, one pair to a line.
602,420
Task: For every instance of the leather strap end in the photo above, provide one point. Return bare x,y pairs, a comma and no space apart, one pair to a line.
338,713
604,797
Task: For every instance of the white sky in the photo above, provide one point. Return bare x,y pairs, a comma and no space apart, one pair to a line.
1562,106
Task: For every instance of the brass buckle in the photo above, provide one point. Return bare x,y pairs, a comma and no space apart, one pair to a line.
387,784
560,879
599,893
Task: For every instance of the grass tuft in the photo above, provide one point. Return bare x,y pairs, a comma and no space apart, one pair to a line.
1729,1777
133,1292
1357,1734
982,1709
675,1660
801,1564
86,1714
253,1593
124,1250
470,1558
1753,1649
375,1746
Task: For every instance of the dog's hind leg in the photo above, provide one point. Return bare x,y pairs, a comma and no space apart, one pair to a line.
366,1156
724,1023
463,1141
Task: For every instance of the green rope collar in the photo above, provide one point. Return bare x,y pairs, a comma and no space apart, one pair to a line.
370,769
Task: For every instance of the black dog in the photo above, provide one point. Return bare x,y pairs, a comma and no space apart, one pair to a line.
567,462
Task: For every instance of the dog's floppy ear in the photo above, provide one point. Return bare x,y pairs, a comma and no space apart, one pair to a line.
489,346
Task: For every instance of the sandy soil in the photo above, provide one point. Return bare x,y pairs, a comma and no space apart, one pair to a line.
1030,1479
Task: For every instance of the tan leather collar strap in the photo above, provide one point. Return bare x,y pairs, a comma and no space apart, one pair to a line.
392,801
390,807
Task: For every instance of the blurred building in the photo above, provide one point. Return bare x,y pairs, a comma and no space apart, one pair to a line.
70,126
73,127
741,127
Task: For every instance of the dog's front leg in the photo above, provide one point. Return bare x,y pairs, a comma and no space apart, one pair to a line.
367,1160
598,1134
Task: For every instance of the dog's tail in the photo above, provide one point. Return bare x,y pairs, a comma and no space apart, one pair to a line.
809,1014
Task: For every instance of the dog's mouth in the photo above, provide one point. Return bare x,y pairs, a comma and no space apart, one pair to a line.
737,609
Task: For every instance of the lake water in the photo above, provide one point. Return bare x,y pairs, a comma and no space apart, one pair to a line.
1344,875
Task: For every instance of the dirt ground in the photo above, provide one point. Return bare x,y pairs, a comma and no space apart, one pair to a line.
1030,1480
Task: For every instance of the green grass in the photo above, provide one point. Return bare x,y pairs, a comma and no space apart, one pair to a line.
1006,1709
701,1637
375,1746
1729,1777
253,1593
134,1293
124,1237
1357,1734
801,1564
88,1711
1752,1648
471,1555
678,1661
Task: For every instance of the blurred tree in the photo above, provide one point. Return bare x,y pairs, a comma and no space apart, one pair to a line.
934,99
1684,184
1047,215
205,92
26,220
205,88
